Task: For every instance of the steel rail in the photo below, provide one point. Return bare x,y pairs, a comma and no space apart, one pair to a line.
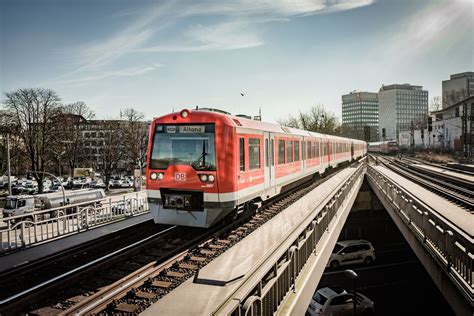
83,267
100,300
445,189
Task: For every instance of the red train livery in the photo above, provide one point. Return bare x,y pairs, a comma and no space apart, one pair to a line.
203,165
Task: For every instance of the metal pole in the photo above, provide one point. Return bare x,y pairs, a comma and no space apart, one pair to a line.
8,165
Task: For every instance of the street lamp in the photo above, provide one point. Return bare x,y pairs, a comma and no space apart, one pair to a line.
352,275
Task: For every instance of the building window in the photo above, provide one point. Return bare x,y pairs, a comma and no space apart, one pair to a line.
242,154
289,151
281,152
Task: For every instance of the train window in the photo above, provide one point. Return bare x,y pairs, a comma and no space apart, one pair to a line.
303,150
242,154
272,152
297,150
281,152
182,145
254,153
309,150
267,158
289,151
317,149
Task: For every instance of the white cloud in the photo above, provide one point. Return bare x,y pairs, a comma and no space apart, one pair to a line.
439,26
237,25
224,36
126,72
219,36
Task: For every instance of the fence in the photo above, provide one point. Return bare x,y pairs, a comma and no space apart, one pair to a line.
36,227
453,247
265,294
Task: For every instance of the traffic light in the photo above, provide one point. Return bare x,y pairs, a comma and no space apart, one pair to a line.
430,123
422,133
383,133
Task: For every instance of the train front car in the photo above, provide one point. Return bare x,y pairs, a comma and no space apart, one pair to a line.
393,147
190,162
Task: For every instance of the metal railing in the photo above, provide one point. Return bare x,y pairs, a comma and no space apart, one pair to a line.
28,229
271,287
453,247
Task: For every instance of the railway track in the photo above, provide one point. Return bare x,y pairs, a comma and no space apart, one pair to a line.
454,189
29,274
437,165
150,270
38,299
137,291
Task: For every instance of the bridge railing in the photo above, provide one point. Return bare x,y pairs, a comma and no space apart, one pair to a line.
28,229
453,247
265,291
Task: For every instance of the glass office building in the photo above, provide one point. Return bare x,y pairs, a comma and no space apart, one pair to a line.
399,106
360,115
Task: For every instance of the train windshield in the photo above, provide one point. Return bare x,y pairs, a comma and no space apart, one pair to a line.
10,204
184,145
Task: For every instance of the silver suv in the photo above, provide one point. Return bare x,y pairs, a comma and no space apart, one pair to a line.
350,252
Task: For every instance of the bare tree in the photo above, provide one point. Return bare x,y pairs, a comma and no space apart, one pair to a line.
318,119
111,151
435,104
71,147
35,112
135,136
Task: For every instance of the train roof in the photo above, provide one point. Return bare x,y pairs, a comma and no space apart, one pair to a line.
382,142
238,121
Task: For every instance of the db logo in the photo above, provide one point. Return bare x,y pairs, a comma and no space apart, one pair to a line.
179,176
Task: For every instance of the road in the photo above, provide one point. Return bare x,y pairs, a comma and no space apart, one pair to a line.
397,283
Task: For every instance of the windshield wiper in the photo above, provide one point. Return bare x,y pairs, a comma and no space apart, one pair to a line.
202,156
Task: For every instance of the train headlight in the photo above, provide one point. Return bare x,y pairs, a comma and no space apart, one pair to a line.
160,176
211,178
184,113
153,175
203,177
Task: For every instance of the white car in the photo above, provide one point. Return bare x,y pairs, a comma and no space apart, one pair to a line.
335,301
350,252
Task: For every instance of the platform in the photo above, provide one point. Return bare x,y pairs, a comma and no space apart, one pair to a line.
456,215
244,260
46,249
454,174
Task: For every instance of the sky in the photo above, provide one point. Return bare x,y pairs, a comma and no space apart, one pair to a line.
284,55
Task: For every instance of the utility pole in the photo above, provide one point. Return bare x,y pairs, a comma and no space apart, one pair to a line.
465,144
8,166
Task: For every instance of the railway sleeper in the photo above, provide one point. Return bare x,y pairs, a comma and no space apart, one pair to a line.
127,308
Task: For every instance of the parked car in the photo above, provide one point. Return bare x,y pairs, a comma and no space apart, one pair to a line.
336,301
126,183
116,184
99,184
350,252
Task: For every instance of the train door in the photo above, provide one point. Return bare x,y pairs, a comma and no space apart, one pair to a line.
269,168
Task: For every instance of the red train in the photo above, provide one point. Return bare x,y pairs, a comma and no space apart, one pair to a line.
203,166
389,147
